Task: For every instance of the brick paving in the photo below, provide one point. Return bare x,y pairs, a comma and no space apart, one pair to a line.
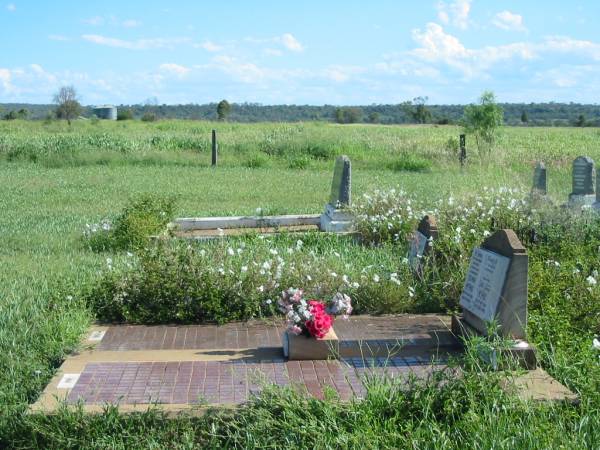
233,382
424,331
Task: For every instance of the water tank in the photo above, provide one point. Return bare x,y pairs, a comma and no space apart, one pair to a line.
107,112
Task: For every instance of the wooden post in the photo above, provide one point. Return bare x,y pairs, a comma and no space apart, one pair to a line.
214,147
463,151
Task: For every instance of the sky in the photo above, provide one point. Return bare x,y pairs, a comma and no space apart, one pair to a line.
340,52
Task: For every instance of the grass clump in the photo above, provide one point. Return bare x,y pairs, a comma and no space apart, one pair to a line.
410,163
144,216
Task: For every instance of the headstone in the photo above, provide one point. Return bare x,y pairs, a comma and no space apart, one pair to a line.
336,217
496,286
583,182
596,204
426,232
340,196
539,180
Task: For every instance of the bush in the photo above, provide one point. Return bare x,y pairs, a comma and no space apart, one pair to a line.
299,162
144,216
149,117
256,161
124,114
410,163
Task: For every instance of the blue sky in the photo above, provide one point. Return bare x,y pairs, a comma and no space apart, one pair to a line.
309,52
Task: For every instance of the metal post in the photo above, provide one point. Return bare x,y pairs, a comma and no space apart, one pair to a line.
214,147
463,150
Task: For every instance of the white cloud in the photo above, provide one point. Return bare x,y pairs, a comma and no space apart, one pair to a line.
175,69
131,23
5,81
11,7
564,44
291,43
245,72
272,52
139,44
209,46
287,40
341,74
95,21
437,46
455,13
57,37
509,21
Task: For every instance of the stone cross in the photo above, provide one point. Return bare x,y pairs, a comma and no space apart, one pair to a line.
539,179
583,182
340,196
496,286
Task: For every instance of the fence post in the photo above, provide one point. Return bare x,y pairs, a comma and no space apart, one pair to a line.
463,151
214,147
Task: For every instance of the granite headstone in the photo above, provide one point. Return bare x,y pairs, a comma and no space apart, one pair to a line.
583,182
496,286
540,186
337,217
421,243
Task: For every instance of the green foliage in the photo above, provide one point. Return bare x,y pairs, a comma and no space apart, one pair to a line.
348,115
483,121
223,110
125,114
67,104
256,161
410,163
144,216
149,117
299,162
581,122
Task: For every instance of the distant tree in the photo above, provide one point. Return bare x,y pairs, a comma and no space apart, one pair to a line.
149,117
374,117
11,115
223,110
125,114
580,122
524,118
22,114
68,106
483,121
420,112
340,115
353,115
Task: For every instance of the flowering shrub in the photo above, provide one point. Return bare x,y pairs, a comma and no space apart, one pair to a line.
144,216
312,317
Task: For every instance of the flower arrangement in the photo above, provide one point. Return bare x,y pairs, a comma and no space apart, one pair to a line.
312,317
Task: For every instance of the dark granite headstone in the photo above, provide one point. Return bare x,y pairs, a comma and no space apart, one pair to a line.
496,286
427,232
583,176
539,179
341,186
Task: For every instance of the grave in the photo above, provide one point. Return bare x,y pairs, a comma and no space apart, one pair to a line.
540,188
583,182
495,290
337,217
596,204
421,243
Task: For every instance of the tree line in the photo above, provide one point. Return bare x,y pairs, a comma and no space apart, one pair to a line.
416,111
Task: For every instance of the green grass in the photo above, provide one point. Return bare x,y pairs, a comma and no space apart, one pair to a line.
54,180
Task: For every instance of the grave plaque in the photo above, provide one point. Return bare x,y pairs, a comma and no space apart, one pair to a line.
336,217
583,182
483,286
496,286
539,179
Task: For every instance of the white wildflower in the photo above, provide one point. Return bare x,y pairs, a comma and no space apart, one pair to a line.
591,281
376,278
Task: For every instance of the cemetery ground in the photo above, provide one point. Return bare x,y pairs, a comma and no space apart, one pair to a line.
55,181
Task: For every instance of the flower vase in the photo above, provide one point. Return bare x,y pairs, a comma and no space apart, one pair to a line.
300,347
